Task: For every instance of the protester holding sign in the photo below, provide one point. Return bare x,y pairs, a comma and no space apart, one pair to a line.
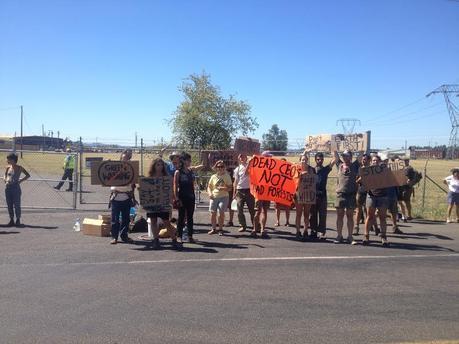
346,190
184,198
318,220
376,200
305,196
158,170
242,193
121,200
453,194
218,189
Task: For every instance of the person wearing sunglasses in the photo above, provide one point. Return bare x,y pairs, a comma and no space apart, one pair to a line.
218,189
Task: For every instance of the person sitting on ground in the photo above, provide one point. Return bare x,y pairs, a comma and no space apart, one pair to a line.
157,170
301,208
279,207
453,193
346,191
318,220
242,193
183,197
361,210
376,200
12,179
218,190
121,200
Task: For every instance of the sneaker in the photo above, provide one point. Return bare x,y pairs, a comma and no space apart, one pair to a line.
11,223
253,234
353,242
230,224
397,230
338,240
113,242
264,234
384,242
212,231
127,240
241,230
191,240
298,235
349,239
356,230
17,223
366,241
448,220
156,244
56,188
220,232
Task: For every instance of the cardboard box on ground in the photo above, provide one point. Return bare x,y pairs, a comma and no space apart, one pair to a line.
97,227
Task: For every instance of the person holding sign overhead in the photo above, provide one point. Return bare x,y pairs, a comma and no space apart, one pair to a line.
218,189
158,170
305,195
346,190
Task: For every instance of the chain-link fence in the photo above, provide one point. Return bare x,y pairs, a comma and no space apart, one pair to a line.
46,171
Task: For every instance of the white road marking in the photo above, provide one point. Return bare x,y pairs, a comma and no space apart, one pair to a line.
241,259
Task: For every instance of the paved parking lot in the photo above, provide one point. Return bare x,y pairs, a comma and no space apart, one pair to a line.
59,286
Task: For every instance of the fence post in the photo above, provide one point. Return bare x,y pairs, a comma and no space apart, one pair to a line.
424,186
81,170
75,179
141,157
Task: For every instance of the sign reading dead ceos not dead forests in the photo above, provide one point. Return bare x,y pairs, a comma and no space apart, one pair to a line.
273,179
383,176
155,194
114,173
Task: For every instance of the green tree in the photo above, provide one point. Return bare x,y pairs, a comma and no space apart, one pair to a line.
275,139
207,120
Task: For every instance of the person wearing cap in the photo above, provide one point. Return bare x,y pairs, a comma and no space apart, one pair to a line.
69,166
242,193
453,194
346,190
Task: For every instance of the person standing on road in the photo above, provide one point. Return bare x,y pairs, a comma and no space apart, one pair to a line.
242,193
279,207
303,209
157,170
69,167
318,220
261,212
13,192
346,190
218,189
453,194
184,198
376,200
361,210
406,191
121,200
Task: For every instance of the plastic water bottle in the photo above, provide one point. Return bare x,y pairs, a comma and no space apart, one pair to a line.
185,234
77,226
150,232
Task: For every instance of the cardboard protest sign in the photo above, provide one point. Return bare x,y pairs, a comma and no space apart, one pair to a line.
306,193
247,145
114,173
383,176
319,143
210,157
156,194
273,179
338,142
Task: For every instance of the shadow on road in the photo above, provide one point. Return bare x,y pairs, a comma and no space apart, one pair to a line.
4,232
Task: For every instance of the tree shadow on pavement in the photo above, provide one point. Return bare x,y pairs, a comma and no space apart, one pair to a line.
412,247
167,247
215,244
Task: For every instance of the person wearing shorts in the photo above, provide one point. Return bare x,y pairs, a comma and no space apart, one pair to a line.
218,189
346,190
361,210
453,193
376,200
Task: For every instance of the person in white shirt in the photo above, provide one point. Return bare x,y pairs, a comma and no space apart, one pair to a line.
453,194
242,192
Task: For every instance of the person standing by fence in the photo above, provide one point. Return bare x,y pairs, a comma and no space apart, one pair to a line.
242,193
12,180
406,191
69,167
453,194
218,189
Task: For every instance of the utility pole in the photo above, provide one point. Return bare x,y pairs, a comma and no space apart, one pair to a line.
22,121
43,135
453,110
136,139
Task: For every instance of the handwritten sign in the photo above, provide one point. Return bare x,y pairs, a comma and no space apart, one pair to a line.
114,173
383,176
339,142
306,193
247,145
155,194
210,157
273,179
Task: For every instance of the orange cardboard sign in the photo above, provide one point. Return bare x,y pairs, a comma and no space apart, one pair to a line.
273,179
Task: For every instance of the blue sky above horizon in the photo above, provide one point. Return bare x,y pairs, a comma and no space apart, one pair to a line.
107,69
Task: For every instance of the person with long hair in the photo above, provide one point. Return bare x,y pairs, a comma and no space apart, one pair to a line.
13,191
453,194
183,196
121,200
301,208
158,170
218,189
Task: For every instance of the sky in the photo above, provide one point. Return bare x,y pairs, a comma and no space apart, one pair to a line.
108,69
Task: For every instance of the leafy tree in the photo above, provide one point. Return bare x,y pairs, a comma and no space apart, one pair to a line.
207,120
275,139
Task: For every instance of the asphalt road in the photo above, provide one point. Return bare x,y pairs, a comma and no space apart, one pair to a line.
59,286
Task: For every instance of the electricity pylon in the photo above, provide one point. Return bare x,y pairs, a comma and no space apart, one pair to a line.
348,125
448,91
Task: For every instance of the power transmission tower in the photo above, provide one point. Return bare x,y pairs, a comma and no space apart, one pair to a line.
453,110
348,124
